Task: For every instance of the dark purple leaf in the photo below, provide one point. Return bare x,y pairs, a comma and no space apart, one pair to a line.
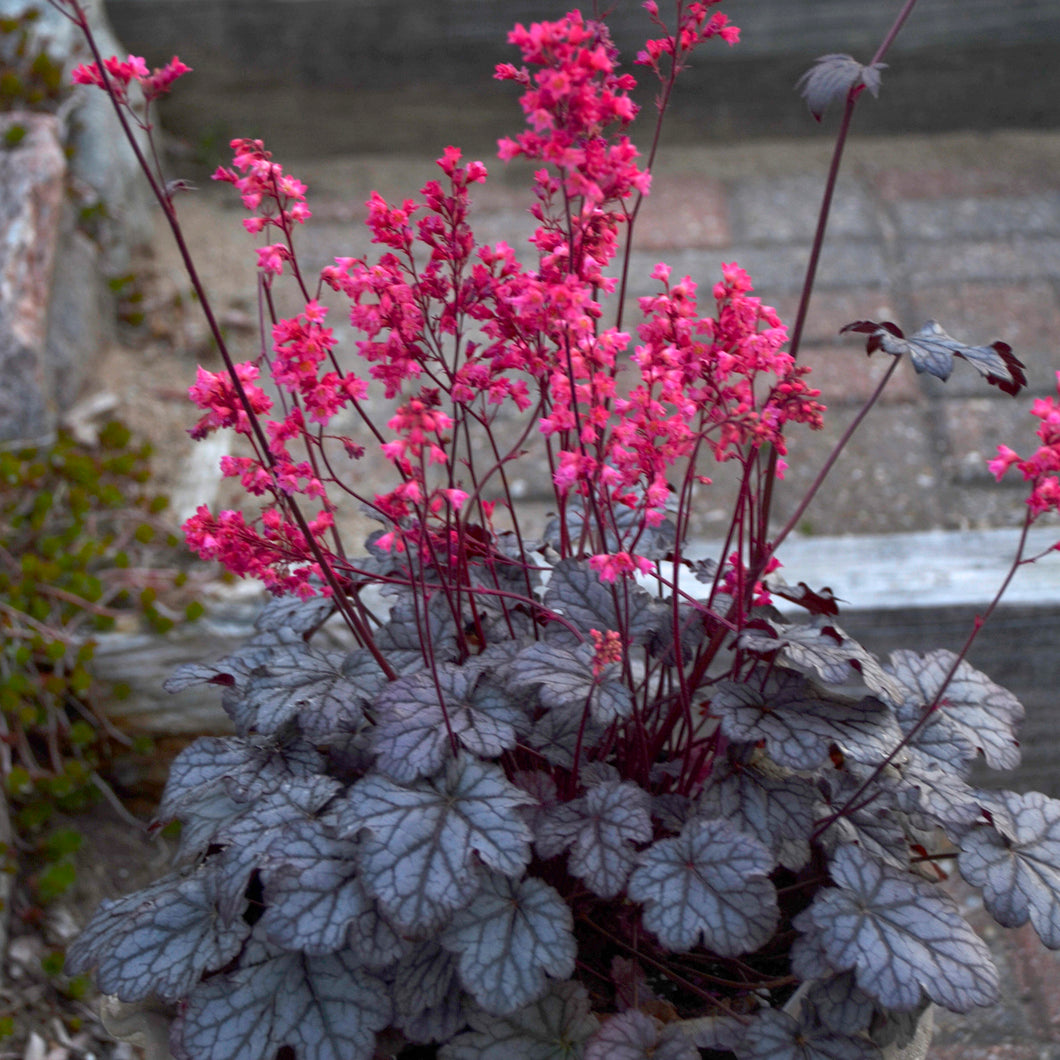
296,682
901,936
247,838
239,768
412,734
777,811
313,896
513,936
707,884
832,77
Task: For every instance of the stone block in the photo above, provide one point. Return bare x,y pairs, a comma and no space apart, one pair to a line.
32,175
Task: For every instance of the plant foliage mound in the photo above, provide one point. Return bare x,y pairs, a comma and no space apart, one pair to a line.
567,790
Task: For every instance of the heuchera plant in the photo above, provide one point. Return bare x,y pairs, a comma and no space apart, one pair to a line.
569,791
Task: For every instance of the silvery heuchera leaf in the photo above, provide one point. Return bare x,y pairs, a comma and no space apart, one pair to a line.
297,681
230,672
873,822
408,628
925,786
902,937
799,725
575,591
247,838
777,811
312,892
840,1004
293,614
425,838
428,1000
709,884
826,655
1019,877
555,1027
974,716
635,1035
323,1008
557,733
653,542
931,350
775,1035
600,828
832,77
509,940
239,768
412,735
157,941
564,679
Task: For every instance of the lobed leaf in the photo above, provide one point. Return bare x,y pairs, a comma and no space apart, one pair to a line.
296,681
513,935
600,828
235,767
324,1008
313,895
829,658
158,941
425,838
428,1000
777,811
564,679
576,592
1019,875
707,884
246,839
634,1035
974,716
931,350
412,733
555,1027
776,1035
800,726
901,936
832,77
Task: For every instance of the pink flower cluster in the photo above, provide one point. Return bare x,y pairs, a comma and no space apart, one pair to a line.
122,72
1042,470
458,333
275,198
694,27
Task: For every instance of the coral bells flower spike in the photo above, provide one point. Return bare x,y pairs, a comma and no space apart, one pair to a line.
122,72
1042,470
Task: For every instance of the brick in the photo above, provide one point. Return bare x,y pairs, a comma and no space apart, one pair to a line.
978,217
973,428
684,211
1026,316
894,185
831,309
1023,257
785,209
847,376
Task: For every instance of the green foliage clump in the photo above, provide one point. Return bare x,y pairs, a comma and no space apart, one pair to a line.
30,79
84,549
